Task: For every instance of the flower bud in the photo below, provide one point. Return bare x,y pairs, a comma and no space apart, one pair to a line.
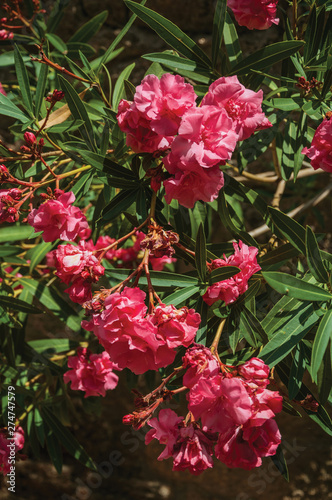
30,138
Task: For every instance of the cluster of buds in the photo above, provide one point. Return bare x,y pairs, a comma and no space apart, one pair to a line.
5,34
159,242
308,403
307,86
146,406
4,174
8,204
55,97
31,144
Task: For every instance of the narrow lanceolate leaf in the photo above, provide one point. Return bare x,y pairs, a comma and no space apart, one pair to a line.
78,111
49,297
40,90
292,230
7,108
169,32
180,296
323,335
264,58
200,253
119,89
23,79
280,462
54,450
89,29
119,204
177,62
232,44
296,372
53,345
295,287
39,253
223,273
314,258
285,339
159,278
218,28
324,377
65,437
18,305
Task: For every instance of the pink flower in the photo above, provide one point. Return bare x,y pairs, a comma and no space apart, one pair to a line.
193,450
220,403
77,264
101,243
256,372
152,120
58,218
265,405
7,445
164,101
2,91
190,447
166,430
255,14
176,326
244,447
200,364
320,151
230,289
206,137
242,105
92,373
189,186
128,335
72,261
140,137
158,263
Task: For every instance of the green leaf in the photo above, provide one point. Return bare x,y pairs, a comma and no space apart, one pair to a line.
322,337
202,308
119,204
286,103
223,273
7,250
40,90
226,219
264,58
23,79
54,450
7,108
200,253
218,28
39,253
39,426
324,377
295,287
178,63
53,345
109,52
57,43
67,439
89,29
278,256
78,111
180,296
50,298
169,32
314,258
159,278
18,305
232,45
296,372
286,338
292,230
280,462
119,89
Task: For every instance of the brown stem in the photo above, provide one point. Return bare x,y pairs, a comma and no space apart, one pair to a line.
57,67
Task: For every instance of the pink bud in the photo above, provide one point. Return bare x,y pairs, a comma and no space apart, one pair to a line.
30,138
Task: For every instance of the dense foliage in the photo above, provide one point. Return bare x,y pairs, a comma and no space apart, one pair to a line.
125,211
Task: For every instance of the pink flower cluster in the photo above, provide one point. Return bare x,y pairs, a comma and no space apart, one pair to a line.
8,201
229,290
164,115
320,151
15,443
2,90
139,341
91,373
58,218
80,266
235,410
255,14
